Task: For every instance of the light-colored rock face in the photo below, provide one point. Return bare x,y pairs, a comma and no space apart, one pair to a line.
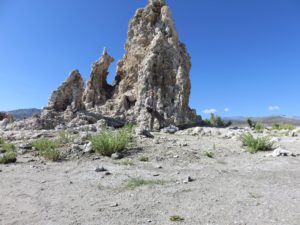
156,60
69,94
98,90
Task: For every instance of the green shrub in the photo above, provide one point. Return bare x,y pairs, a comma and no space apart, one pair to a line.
283,126
259,127
143,159
256,144
216,121
8,157
8,147
1,141
51,154
43,144
108,141
47,148
176,218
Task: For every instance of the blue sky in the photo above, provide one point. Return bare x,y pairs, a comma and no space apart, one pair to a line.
245,54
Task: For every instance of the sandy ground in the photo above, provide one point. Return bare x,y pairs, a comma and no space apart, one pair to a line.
234,187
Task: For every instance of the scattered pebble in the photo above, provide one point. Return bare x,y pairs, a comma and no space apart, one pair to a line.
114,205
188,180
100,169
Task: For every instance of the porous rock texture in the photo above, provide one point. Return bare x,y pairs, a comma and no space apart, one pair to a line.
98,90
154,60
69,94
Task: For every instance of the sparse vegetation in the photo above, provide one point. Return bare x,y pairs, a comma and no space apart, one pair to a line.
124,162
283,126
176,218
8,157
65,137
209,154
9,152
47,148
256,144
216,121
8,147
108,141
143,159
259,127
137,182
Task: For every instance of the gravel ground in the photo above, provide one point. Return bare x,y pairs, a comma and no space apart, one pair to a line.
233,187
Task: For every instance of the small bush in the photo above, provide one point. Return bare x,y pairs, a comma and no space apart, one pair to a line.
176,218
8,157
283,126
143,159
259,127
47,148
51,154
108,142
256,144
8,147
43,144
216,121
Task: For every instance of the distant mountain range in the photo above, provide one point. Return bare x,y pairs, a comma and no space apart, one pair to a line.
24,113
295,120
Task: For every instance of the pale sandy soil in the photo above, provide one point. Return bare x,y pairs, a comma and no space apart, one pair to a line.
234,187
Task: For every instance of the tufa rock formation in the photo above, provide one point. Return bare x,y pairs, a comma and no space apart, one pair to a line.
98,90
69,94
154,60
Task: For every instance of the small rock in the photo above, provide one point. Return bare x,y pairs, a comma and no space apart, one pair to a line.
88,148
176,156
143,132
189,179
100,169
170,129
116,156
25,146
156,141
114,205
281,152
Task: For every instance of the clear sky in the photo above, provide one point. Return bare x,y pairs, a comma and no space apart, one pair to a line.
245,53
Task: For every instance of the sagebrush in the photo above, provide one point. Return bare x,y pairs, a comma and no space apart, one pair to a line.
47,148
108,141
256,144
